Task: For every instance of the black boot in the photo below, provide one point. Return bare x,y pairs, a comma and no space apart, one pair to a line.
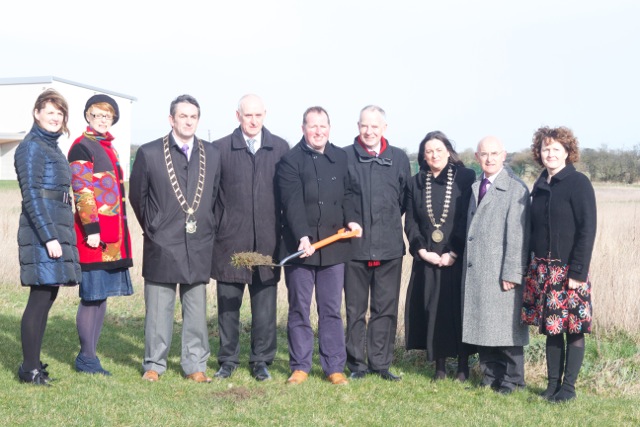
441,369
463,367
34,376
575,355
555,367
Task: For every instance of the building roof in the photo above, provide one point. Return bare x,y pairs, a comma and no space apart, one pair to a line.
6,137
51,79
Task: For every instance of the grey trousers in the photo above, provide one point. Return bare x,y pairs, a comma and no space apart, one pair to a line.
502,366
160,300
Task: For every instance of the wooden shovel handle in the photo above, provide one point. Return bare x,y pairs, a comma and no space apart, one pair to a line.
341,234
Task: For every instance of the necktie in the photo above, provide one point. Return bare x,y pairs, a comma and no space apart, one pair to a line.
251,144
484,185
185,150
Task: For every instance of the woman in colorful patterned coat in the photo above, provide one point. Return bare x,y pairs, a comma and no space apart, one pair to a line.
557,295
101,226
48,256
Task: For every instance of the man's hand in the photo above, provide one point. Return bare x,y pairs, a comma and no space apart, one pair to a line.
507,286
430,257
305,245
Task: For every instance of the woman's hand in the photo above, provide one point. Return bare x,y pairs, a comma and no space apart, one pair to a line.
574,284
430,257
93,240
54,249
446,260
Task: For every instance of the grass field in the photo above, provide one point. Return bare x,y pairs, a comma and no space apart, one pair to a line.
608,388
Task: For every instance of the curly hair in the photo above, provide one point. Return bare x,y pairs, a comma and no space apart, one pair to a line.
562,135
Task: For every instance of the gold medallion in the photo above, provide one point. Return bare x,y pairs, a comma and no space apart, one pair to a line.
437,236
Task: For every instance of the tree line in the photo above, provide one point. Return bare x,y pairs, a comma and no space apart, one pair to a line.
601,165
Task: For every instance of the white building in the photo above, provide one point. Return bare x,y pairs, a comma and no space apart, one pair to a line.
17,97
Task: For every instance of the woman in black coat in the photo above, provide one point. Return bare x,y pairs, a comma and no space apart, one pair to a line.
435,224
557,294
48,255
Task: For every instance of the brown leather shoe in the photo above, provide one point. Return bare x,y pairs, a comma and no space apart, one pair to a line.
297,377
151,376
199,377
337,378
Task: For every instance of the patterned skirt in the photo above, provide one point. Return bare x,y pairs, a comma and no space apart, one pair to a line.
549,304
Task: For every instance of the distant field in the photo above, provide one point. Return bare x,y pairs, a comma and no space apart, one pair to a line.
614,269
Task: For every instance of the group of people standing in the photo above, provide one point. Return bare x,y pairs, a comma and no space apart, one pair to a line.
198,203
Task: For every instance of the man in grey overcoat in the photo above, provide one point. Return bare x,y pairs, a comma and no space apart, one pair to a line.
248,220
495,263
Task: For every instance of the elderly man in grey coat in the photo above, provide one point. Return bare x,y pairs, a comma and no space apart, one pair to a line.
494,267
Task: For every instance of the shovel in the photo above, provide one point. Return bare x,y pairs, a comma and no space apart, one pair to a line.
341,234
251,259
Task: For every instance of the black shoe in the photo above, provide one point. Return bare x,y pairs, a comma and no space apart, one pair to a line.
358,375
260,372
563,395
44,372
385,374
225,371
34,376
508,390
90,365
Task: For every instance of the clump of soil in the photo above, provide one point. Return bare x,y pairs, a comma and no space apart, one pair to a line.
250,260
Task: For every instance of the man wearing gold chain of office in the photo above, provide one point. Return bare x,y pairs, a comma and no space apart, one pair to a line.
173,187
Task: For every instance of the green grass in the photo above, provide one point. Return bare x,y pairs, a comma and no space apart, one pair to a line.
608,386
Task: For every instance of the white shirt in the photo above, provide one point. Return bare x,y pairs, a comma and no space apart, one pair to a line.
180,144
258,141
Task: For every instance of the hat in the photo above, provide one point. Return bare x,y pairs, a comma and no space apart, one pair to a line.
96,99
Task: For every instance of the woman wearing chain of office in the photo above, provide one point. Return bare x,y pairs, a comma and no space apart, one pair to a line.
435,224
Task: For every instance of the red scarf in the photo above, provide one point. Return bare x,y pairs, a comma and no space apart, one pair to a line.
383,146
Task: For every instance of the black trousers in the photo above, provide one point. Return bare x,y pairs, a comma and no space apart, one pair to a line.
263,321
377,289
502,366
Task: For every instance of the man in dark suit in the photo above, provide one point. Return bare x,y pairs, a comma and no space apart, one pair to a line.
173,187
378,176
248,218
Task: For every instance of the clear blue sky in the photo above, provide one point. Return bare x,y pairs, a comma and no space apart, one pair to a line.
468,68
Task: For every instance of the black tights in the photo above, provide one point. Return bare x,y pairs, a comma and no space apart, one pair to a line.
34,323
574,340
89,322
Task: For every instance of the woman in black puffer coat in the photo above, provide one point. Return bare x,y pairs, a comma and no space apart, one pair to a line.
46,237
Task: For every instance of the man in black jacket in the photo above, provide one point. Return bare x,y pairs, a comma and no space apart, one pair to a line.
313,184
378,176
248,220
172,190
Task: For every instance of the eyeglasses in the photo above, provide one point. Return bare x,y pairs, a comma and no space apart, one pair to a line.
493,154
107,117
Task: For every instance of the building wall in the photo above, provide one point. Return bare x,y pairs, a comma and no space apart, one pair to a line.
16,104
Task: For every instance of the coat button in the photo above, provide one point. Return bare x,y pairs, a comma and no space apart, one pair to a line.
470,265
471,239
